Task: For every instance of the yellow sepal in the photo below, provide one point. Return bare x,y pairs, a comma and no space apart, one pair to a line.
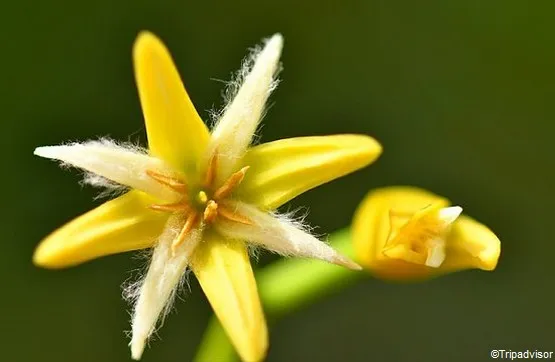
472,244
283,169
175,131
224,272
119,225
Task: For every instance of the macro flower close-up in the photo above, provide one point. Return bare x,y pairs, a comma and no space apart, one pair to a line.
266,182
198,196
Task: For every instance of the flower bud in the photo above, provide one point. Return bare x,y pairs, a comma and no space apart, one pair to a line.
405,233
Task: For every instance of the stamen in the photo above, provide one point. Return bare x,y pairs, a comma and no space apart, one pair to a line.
192,219
226,213
178,206
168,181
210,212
211,171
227,188
421,238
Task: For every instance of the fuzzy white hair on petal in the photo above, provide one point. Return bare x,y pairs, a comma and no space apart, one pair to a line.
280,234
254,251
123,164
246,96
233,86
109,189
155,294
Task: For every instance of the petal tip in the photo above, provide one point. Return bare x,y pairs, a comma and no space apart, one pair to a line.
146,42
45,257
478,241
37,151
271,53
145,38
346,262
490,257
47,151
276,41
371,148
366,148
40,260
137,348
449,214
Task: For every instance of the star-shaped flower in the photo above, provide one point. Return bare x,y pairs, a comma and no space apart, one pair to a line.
196,197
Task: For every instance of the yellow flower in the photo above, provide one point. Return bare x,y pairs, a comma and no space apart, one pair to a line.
197,197
405,233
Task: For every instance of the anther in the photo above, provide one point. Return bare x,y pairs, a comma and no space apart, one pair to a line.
233,216
227,188
211,171
168,181
210,212
178,206
192,219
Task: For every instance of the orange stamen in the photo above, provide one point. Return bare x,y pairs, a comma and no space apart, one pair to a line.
171,182
211,209
211,171
227,188
192,219
226,213
210,212
178,206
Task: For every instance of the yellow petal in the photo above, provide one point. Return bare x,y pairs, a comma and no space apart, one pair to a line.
472,244
175,131
373,224
225,274
283,169
119,225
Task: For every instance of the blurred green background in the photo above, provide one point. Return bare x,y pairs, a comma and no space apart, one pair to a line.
460,93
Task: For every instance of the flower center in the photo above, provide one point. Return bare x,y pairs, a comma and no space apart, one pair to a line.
202,198
421,239
205,204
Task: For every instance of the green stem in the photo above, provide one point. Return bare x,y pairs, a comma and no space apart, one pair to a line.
285,286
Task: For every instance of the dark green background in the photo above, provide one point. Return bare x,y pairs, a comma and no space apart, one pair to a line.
460,93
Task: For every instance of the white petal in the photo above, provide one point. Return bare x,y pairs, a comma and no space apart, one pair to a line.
158,288
449,214
282,236
123,165
436,253
235,129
